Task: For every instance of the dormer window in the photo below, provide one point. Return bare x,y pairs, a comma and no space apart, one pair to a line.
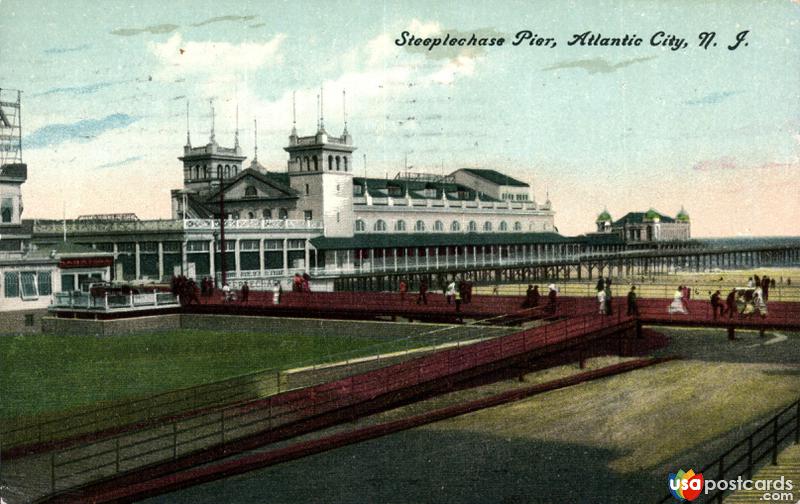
429,192
395,191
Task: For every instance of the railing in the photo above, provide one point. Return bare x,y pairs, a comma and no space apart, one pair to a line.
224,425
92,227
265,224
110,302
743,458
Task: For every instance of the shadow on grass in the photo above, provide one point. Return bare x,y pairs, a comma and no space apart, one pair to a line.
713,345
434,466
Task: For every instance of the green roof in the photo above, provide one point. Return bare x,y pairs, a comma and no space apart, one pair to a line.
378,188
601,239
495,177
390,240
682,216
640,217
605,216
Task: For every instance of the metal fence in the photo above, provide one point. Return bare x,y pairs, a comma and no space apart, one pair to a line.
110,302
743,458
172,439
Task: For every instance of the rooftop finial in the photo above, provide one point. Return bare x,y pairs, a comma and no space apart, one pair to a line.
212,138
318,127
344,109
294,114
321,110
255,140
188,138
236,134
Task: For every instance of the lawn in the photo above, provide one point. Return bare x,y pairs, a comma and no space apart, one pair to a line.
48,373
612,440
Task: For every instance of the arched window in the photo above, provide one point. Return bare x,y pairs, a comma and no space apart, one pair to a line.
419,226
196,172
380,225
338,160
227,171
235,215
283,213
219,171
345,163
360,226
266,213
399,225
330,163
487,226
308,164
251,215
316,163
455,226
250,192
472,226
438,226
518,226
503,226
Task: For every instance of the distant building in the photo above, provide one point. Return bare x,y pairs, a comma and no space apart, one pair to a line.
646,227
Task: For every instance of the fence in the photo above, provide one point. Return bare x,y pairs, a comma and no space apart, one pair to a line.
110,302
743,458
225,425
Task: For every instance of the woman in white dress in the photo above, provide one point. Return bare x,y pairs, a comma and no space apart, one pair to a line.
677,303
758,302
601,300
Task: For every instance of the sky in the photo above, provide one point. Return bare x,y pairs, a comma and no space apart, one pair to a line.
717,131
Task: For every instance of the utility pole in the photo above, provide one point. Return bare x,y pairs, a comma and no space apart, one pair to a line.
223,274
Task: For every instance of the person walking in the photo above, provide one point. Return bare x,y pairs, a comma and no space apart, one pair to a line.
276,293
423,292
457,299
730,303
245,292
633,305
608,297
601,301
403,289
451,291
677,305
716,305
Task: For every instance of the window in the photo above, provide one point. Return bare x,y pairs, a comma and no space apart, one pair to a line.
503,226
360,226
487,226
235,215
345,163
358,190
400,225
308,190
6,210
330,163
273,244
250,192
283,213
337,216
429,192
517,226
296,244
455,226
307,215
316,163
28,283
438,226
11,282
419,226
380,225
472,226
395,190
266,213
251,215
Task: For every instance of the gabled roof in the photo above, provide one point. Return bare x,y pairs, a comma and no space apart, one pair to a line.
641,217
279,181
495,177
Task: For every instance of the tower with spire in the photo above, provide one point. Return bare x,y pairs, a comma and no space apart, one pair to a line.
320,169
203,165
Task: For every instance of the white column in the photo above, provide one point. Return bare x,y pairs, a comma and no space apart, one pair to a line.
394,251
261,257
160,260
307,258
138,271
212,266
237,255
437,257
285,257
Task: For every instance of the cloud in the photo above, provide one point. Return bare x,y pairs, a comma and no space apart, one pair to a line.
220,19
114,164
179,56
712,98
154,29
257,25
79,90
728,163
61,50
83,130
597,65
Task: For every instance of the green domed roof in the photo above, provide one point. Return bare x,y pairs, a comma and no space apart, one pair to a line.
652,215
682,216
604,217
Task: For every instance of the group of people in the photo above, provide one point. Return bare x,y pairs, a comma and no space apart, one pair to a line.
533,297
680,300
300,283
744,302
185,289
604,296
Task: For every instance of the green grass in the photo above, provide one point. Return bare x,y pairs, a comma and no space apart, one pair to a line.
612,440
49,373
